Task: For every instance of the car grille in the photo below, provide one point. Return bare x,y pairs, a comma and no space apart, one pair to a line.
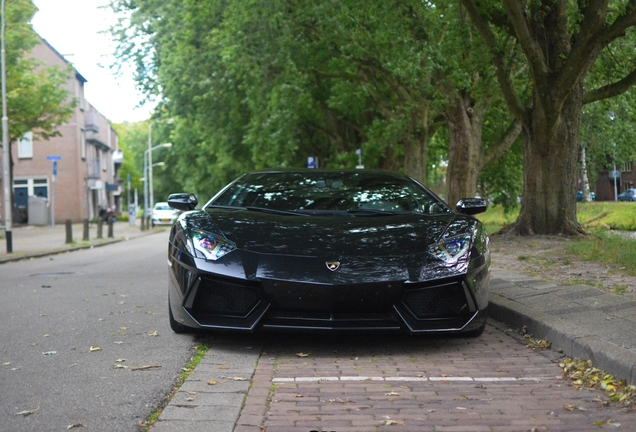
442,301
222,298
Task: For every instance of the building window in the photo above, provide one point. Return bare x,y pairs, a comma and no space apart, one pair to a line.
24,188
104,161
628,166
25,146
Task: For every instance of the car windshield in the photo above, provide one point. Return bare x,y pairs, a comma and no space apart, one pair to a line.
318,191
162,207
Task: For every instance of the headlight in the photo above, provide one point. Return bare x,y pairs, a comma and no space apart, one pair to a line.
450,250
211,246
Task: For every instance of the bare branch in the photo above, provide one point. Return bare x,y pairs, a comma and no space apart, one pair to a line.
611,90
622,23
526,39
505,141
501,70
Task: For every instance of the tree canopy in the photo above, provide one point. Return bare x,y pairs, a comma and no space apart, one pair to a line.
568,46
36,100
410,84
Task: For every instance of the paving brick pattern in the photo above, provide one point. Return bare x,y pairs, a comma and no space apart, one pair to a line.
446,384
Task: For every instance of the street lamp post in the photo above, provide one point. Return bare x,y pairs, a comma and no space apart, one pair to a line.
149,163
6,180
148,189
150,148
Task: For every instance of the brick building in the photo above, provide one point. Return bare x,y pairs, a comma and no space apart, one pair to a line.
625,176
87,162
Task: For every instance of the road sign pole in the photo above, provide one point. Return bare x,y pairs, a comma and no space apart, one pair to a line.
54,180
53,159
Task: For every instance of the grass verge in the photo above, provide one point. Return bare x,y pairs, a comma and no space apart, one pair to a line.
592,216
606,248
598,218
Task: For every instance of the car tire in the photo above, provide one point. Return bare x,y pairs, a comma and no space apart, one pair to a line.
174,325
475,333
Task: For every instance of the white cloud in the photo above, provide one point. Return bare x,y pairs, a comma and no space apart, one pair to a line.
73,28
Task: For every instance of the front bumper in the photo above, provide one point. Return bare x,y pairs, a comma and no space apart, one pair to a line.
210,301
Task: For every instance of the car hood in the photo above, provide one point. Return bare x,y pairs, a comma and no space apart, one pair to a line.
297,248
378,236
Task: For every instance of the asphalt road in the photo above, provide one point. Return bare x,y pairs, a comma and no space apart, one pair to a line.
74,328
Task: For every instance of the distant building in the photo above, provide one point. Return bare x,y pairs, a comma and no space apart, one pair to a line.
87,165
624,177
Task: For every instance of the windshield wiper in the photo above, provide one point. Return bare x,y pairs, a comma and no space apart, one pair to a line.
226,207
275,211
371,212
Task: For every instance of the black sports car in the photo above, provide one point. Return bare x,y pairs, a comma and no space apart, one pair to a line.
328,251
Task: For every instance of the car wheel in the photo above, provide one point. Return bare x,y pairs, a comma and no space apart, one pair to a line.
475,333
174,325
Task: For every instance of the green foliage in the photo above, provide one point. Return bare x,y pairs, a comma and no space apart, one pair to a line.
502,180
129,145
263,85
608,132
36,98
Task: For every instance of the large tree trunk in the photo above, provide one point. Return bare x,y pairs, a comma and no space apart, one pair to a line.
464,150
550,153
415,153
559,55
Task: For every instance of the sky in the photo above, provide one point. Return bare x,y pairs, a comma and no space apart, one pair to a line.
73,28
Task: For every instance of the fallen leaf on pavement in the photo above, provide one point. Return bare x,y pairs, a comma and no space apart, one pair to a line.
76,425
93,349
27,412
146,367
392,423
236,378
339,400
391,394
302,355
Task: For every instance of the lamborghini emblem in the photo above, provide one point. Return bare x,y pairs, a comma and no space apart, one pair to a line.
333,265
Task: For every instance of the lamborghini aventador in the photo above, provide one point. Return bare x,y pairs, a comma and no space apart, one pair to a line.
334,251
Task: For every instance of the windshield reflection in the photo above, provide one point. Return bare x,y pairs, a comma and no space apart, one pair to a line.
319,192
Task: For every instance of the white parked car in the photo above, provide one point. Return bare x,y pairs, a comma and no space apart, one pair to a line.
163,214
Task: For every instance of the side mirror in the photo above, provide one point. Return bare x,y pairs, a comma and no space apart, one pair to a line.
471,206
183,201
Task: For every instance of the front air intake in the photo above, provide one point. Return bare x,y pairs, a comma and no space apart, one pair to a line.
222,298
439,301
